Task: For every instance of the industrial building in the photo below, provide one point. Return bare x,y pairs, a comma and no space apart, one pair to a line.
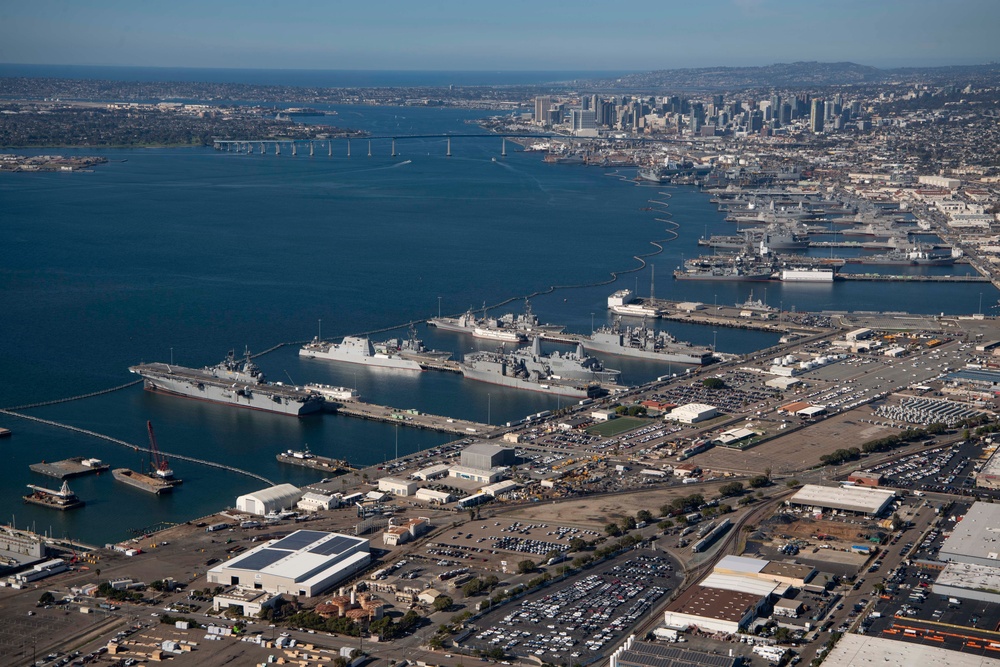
305,563
789,574
432,472
642,654
248,601
272,499
857,500
482,456
713,609
314,502
500,488
411,529
397,487
434,497
989,476
476,474
970,582
692,413
974,539
853,650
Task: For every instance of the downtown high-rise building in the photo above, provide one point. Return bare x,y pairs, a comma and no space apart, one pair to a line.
542,105
816,116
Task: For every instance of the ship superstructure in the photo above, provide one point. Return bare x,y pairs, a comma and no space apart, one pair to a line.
645,343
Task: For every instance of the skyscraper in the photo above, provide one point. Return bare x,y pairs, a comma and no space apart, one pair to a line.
542,104
816,116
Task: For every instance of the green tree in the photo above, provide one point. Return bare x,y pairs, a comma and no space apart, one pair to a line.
443,602
526,566
731,489
613,530
627,523
644,515
47,598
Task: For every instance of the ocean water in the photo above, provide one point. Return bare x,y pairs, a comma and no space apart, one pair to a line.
307,77
185,254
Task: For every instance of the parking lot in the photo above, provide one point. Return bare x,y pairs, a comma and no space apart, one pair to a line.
577,620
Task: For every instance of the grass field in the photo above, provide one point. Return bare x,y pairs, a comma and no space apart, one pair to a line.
612,428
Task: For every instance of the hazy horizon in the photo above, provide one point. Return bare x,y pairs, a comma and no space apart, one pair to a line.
516,36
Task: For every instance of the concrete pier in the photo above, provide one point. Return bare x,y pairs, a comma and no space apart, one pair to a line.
413,419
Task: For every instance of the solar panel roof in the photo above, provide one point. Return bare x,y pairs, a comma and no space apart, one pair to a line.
261,559
332,546
298,540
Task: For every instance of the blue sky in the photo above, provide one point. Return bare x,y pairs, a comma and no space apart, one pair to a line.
633,35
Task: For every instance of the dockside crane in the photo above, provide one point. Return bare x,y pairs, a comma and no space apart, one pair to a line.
159,464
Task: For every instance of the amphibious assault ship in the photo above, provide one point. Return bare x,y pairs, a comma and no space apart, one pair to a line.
232,382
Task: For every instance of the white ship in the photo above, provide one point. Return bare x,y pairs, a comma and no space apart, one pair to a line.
231,382
508,328
623,302
356,350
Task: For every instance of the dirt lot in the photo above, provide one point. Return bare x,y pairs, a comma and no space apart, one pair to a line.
594,513
799,450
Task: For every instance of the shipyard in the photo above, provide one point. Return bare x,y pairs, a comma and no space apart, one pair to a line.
686,367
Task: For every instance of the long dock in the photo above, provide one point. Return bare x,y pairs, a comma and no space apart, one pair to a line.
412,419
912,279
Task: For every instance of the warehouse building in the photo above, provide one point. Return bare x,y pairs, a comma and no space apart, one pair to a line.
642,654
970,582
397,487
485,457
713,609
500,488
305,563
434,497
432,472
974,538
851,499
479,475
272,499
853,650
989,476
788,574
692,413
247,601
409,530
314,502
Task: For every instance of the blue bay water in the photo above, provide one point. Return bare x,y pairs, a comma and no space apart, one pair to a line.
193,252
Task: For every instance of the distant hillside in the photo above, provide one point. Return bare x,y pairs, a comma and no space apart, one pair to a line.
789,75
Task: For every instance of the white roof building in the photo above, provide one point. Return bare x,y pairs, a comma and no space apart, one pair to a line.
976,538
500,488
861,500
866,650
434,497
305,563
313,502
432,472
692,413
272,499
396,486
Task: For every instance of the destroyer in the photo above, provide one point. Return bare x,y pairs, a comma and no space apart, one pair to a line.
412,348
508,328
569,374
645,343
231,382
357,350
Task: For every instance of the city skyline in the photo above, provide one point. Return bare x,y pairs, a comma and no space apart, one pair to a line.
455,36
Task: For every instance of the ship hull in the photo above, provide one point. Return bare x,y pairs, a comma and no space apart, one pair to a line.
732,277
375,361
141,482
254,399
678,356
548,387
62,507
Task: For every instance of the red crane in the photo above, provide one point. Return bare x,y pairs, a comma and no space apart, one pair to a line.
160,466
